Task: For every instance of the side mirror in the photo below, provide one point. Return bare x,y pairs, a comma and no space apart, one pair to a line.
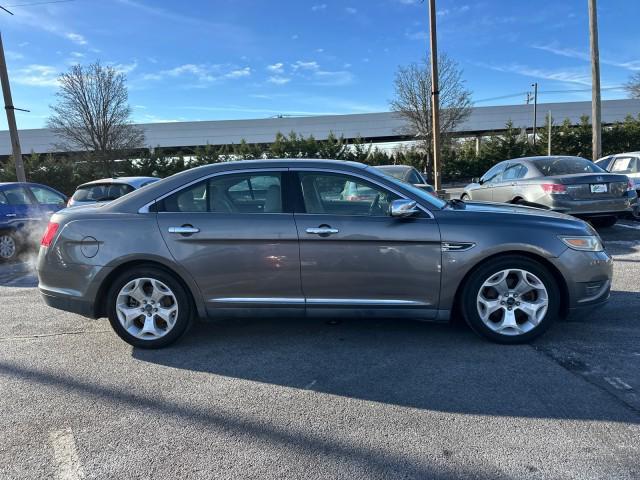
403,208
477,180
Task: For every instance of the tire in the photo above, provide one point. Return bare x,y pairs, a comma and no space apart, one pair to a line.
541,295
141,290
464,197
635,213
9,247
603,222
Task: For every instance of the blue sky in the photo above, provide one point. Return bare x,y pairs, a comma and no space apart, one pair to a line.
228,59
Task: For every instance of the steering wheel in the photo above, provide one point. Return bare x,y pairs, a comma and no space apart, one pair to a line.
375,206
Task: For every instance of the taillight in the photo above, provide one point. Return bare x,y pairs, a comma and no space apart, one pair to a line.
51,231
553,188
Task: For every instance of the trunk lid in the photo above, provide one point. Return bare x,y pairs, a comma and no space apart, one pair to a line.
591,186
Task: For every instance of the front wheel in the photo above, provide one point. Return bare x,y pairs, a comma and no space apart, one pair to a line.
148,307
511,300
8,246
464,197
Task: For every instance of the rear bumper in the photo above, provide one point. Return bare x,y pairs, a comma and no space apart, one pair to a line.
69,303
607,206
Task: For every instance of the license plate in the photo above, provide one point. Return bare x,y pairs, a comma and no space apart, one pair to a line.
599,188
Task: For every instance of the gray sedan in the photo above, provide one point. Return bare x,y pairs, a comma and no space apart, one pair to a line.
570,185
277,237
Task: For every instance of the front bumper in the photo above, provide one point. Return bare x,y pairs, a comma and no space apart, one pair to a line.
588,277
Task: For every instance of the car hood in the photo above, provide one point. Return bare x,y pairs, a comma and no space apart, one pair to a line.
507,208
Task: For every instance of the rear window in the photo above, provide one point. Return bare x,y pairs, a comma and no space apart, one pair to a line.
550,167
101,192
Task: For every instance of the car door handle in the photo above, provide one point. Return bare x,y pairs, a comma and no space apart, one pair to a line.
10,215
184,230
322,230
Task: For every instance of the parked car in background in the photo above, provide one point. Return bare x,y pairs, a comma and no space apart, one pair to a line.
25,209
571,185
107,189
629,165
206,242
409,174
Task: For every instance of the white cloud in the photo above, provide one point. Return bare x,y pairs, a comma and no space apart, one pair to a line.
36,76
351,10
419,35
579,76
278,79
276,67
203,73
125,67
77,54
317,8
238,73
299,65
338,78
76,38
14,55
632,65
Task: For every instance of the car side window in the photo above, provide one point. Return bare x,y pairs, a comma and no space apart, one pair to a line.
414,178
624,165
17,196
494,174
234,193
46,196
512,172
339,194
3,199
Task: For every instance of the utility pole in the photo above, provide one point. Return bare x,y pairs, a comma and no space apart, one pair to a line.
11,116
435,95
595,81
549,136
535,110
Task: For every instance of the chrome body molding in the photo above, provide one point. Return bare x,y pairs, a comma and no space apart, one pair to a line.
457,246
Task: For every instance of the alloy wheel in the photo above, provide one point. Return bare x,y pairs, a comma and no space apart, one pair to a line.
147,308
512,302
7,246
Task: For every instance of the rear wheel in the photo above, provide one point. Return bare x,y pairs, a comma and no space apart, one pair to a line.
604,222
148,307
511,300
8,246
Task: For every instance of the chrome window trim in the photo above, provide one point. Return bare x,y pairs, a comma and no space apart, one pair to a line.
145,208
368,179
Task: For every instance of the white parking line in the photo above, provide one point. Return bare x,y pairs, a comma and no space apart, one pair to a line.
624,225
618,383
65,455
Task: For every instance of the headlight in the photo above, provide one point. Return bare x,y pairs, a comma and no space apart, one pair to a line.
589,243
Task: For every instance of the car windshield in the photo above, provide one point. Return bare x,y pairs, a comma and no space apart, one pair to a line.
396,172
429,198
101,191
551,167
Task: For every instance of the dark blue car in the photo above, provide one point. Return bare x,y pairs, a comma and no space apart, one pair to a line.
25,209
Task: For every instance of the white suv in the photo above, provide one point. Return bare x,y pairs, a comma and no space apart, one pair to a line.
627,164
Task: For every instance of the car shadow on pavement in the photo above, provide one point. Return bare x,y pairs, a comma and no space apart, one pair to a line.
402,362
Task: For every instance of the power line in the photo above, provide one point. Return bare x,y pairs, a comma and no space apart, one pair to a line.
46,2
541,92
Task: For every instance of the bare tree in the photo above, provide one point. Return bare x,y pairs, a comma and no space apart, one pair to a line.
633,86
413,101
92,114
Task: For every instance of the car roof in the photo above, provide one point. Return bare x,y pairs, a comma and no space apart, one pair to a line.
544,157
132,181
394,167
33,184
135,199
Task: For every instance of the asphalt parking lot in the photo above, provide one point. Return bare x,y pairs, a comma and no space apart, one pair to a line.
317,399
